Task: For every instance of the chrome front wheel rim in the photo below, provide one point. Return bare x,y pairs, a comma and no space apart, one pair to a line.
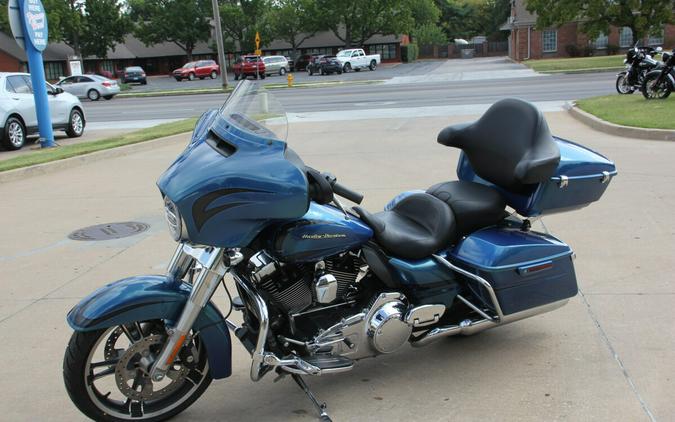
16,135
120,385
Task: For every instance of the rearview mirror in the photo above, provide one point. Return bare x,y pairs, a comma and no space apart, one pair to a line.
659,49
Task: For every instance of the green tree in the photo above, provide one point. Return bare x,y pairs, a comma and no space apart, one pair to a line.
241,19
491,16
4,21
354,21
182,22
459,19
294,21
104,26
430,34
641,16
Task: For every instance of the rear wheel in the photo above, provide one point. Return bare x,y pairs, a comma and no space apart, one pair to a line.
262,76
236,76
652,90
622,85
93,95
75,124
15,134
373,65
108,97
106,373
310,70
282,71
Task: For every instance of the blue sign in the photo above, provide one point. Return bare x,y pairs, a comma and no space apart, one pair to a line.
35,19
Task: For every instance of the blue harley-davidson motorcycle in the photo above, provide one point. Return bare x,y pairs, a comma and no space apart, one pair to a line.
321,286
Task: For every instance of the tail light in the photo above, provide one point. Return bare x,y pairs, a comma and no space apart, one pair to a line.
108,84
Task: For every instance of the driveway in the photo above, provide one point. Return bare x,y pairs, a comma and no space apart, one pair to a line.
609,355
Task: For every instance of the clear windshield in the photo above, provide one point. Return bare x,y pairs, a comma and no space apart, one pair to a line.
252,108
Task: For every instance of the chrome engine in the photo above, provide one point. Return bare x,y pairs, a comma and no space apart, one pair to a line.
382,326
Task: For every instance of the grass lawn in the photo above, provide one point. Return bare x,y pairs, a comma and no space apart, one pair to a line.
576,64
632,110
59,153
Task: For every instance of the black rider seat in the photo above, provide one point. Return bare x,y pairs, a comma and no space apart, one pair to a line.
416,227
474,205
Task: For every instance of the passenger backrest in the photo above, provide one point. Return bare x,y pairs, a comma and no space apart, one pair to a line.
510,145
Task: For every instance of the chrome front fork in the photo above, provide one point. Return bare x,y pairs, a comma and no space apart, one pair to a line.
210,275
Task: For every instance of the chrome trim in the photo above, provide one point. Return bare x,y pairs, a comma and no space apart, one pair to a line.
475,308
203,288
179,264
605,177
423,315
258,355
469,327
564,181
480,280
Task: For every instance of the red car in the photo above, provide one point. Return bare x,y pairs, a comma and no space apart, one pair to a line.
199,69
249,66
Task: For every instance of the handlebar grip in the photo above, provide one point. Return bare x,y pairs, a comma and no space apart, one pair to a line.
347,193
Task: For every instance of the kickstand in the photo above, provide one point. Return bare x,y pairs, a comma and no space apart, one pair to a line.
321,407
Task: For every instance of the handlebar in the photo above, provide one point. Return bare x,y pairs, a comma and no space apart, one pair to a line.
347,193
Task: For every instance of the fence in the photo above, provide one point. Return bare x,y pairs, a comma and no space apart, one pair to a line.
454,51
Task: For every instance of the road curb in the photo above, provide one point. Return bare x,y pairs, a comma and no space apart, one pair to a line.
68,163
619,130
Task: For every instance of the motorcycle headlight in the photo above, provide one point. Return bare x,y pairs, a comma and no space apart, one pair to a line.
174,220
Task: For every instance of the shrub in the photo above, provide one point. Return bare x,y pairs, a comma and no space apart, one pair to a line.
612,49
572,50
409,53
587,51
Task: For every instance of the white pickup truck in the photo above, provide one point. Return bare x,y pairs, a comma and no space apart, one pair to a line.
357,59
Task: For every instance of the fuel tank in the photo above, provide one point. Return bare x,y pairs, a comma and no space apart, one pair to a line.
322,232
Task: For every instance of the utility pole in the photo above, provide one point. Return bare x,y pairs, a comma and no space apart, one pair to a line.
219,42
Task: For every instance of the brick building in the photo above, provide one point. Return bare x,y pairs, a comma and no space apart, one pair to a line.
526,42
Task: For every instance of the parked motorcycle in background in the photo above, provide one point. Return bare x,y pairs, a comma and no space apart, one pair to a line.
320,286
659,83
638,62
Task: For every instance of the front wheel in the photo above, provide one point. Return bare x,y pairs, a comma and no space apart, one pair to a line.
622,85
347,67
653,90
75,124
191,76
214,75
282,71
106,374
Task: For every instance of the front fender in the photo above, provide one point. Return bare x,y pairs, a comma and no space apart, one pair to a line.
149,297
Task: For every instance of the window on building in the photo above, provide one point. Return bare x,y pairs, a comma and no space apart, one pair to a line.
601,42
326,50
107,65
625,37
53,70
386,51
656,38
550,41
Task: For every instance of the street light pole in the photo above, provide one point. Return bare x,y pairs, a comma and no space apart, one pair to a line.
219,42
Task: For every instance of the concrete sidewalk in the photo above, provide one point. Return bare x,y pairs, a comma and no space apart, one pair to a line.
607,356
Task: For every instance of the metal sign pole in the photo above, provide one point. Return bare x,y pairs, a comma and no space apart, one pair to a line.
219,42
29,25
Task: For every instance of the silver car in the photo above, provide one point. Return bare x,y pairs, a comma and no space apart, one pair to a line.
17,110
276,65
90,86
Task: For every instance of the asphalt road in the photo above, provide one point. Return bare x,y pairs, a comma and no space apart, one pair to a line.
338,98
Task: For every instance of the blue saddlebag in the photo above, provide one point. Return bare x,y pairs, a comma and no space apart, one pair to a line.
525,269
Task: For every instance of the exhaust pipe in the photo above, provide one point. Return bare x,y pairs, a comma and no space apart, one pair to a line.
469,327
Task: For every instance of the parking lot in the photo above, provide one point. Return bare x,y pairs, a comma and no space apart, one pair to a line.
609,355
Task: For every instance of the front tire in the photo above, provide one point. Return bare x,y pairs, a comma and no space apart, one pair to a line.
652,92
85,371
622,85
191,76
282,71
347,67
15,134
214,74
75,124
93,95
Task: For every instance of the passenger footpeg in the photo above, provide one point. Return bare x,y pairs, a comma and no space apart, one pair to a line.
320,407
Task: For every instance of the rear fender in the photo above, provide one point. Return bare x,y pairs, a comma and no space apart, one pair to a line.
154,297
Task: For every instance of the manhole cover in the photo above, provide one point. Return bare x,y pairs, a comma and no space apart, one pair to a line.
109,231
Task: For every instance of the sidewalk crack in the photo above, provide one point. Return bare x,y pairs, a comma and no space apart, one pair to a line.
618,360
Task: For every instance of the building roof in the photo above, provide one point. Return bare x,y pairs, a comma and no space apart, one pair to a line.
9,46
520,16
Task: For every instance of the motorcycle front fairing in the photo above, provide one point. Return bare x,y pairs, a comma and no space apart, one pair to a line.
230,183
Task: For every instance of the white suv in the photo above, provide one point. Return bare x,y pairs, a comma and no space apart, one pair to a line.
17,110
